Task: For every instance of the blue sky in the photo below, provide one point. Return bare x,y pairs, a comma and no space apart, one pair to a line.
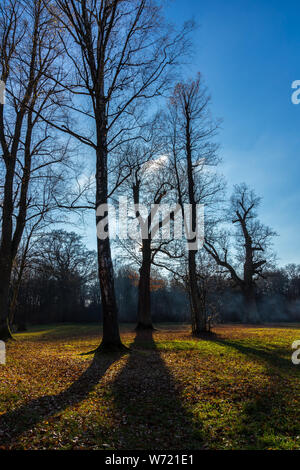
249,54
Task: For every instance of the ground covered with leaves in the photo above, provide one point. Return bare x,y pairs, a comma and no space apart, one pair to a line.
235,390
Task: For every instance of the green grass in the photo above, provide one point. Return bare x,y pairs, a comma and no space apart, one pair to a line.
238,390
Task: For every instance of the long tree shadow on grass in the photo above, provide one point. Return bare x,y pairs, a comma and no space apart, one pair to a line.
268,418
21,419
151,410
273,358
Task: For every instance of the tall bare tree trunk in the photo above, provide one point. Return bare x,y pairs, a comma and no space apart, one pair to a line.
111,340
6,258
5,274
13,303
192,137
198,316
251,311
144,289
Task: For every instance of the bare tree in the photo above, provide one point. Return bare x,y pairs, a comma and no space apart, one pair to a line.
121,51
58,274
42,212
193,154
148,186
252,242
29,54
20,264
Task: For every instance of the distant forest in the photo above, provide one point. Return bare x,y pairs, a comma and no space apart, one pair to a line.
59,284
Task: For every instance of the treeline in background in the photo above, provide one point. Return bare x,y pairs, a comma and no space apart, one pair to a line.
59,285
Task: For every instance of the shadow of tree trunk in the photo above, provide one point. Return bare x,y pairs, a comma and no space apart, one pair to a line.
18,421
261,425
272,358
151,410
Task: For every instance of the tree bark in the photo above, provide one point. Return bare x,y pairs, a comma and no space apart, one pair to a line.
198,315
6,257
111,340
248,289
144,289
251,311
5,274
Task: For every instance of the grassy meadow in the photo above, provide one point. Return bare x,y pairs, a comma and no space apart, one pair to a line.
235,390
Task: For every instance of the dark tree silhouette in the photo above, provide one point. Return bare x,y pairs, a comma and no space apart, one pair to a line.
121,51
29,50
193,151
252,241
